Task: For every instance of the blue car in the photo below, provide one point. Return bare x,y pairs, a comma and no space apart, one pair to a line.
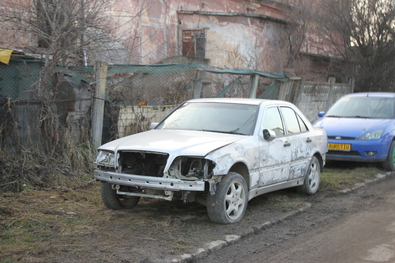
361,128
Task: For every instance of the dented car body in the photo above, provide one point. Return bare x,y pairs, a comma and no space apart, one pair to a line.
218,152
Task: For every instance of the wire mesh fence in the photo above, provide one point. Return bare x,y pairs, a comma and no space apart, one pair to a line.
141,94
136,95
18,79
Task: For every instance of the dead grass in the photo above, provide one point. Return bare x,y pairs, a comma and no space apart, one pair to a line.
44,214
33,168
37,222
47,156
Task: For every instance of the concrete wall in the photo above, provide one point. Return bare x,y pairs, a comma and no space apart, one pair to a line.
313,97
138,119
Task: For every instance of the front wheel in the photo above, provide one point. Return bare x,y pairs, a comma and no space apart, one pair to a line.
389,163
312,178
229,203
114,201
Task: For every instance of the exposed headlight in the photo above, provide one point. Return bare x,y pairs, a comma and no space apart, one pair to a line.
373,135
105,158
191,168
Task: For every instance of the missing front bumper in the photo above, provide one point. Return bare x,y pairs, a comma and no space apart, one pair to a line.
149,182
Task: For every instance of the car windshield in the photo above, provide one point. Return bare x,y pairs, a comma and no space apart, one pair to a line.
363,107
213,117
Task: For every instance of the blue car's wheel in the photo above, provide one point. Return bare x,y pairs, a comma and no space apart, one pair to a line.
389,163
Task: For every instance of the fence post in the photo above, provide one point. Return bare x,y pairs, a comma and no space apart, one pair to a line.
299,86
254,86
197,93
352,84
330,95
98,103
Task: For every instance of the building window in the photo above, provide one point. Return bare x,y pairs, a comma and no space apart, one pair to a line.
194,43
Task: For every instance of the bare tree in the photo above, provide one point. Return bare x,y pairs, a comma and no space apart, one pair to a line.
298,17
362,34
303,41
58,30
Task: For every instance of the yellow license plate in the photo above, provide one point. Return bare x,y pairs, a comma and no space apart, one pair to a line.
339,146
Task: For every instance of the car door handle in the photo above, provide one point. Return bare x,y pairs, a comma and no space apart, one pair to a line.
308,140
287,144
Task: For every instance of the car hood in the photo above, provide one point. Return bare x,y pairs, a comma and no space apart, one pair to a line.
350,127
174,142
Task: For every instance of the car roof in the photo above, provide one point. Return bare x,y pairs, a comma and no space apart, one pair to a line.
372,94
242,101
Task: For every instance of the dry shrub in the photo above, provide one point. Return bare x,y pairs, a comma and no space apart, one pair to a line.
52,158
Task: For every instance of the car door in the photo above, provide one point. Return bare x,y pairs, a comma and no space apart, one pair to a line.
275,155
299,140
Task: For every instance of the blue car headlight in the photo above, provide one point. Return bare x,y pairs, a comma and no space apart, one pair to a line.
373,135
105,158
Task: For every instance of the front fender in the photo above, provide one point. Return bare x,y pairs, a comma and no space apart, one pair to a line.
227,156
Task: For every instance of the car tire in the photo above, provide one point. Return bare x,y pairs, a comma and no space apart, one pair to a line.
229,203
312,179
389,163
114,201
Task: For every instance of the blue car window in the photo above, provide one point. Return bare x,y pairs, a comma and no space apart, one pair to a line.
363,107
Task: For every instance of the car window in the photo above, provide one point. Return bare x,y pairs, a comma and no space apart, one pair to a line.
363,107
302,124
272,121
294,123
213,117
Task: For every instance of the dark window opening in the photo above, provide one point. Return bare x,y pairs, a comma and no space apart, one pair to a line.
194,43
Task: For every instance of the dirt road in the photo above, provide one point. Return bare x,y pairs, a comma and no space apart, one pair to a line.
357,227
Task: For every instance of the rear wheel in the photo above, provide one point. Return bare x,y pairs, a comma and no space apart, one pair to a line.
229,203
389,163
114,201
312,178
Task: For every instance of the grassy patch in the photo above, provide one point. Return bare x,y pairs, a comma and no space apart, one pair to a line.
179,247
282,201
332,179
31,217
335,179
23,232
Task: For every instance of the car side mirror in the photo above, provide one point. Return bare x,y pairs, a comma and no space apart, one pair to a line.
321,114
269,135
153,125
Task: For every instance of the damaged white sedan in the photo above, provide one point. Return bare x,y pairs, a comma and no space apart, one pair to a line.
218,152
